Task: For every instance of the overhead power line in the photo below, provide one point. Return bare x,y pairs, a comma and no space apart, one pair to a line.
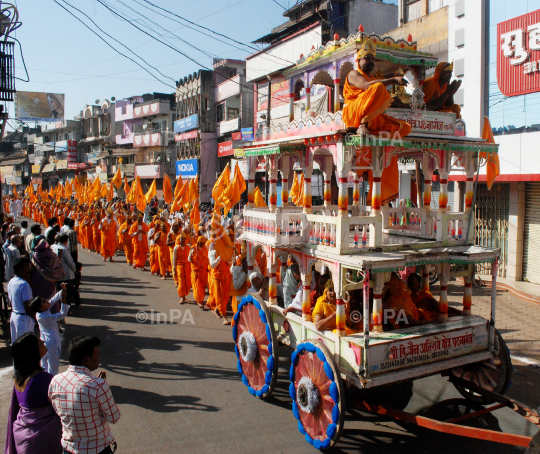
110,45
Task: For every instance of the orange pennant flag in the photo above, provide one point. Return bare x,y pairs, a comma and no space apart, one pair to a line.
110,195
232,195
151,192
259,200
126,186
492,159
195,215
179,184
167,189
104,191
117,179
221,183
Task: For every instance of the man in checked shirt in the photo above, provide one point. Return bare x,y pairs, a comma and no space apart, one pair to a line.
84,403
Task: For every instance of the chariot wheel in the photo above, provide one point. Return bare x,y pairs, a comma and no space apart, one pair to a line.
256,346
493,374
317,392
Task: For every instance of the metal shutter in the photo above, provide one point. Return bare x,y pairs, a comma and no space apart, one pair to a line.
531,239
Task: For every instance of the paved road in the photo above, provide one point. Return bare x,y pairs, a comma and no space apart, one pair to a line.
179,390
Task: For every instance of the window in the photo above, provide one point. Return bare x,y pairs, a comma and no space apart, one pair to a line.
232,113
220,112
206,103
434,5
232,73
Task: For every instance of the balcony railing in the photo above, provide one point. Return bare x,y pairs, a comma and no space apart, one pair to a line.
151,108
124,138
227,89
275,229
223,127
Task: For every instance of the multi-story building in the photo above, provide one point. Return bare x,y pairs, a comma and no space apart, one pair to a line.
195,130
492,46
153,137
59,148
234,107
98,131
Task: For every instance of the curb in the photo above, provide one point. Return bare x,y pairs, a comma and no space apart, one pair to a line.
500,286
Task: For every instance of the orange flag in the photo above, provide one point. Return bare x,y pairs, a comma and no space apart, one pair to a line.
221,183
104,191
167,189
259,200
110,195
181,198
126,186
151,192
140,197
492,159
232,195
179,184
195,215
117,179
295,190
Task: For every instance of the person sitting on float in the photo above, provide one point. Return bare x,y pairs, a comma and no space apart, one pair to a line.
439,92
366,98
324,314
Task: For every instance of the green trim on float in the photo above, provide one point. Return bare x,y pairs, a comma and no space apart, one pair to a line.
280,149
360,141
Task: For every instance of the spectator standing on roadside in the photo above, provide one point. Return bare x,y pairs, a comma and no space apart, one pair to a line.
20,295
35,230
73,240
33,425
12,255
24,231
84,402
61,250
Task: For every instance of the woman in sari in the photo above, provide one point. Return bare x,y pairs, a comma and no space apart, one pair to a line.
47,271
33,425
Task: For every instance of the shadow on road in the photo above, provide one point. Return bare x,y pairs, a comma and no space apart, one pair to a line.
158,403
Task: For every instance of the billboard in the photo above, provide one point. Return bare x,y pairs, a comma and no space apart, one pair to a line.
225,149
188,168
35,106
518,55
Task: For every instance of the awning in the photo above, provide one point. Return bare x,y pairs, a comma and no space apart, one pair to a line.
49,168
13,162
94,160
61,164
123,152
274,149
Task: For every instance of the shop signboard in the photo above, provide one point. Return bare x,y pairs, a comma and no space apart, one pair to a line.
35,168
186,136
247,134
518,55
188,168
186,124
225,149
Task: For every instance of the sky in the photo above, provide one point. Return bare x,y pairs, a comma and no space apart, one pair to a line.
62,56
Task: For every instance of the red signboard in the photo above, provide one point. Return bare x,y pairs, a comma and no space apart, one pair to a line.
518,55
280,93
186,135
236,136
225,149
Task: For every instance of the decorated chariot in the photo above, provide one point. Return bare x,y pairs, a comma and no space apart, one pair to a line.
361,245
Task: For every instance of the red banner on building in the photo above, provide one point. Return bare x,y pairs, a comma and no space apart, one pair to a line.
518,55
225,149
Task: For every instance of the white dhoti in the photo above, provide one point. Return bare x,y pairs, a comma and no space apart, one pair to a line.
20,324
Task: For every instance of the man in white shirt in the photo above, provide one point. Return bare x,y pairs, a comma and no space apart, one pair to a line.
12,255
20,295
19,207
13,208
25,231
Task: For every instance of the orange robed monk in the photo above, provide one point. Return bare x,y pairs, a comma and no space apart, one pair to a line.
181,267
198,256
125,240
220,283
366,98
138,232
439,92
108,236
163,256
